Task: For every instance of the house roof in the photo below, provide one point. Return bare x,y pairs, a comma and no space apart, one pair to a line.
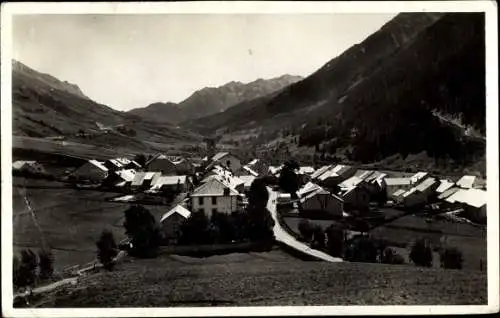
306,170
320,171
168,180
213,187
397,181
275,169
447,193
250,171
248,179
427,183
444,185
364,174
472,197
126,174
351,182
254,161
219,156
179,209
410,192
375,176
307,188
98,164
336,171
466,182
398,192
418,176
138,178
318,191
20,163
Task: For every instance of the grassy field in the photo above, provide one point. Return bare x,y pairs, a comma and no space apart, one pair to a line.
71,220
266,279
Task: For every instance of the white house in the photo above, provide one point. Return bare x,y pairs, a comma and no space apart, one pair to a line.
227,160
215,196
92,170
320,200
172,221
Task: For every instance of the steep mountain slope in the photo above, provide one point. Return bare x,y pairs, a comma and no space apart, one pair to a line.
379,97
210,100
43,106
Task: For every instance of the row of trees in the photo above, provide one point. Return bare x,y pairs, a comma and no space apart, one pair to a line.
362,248
30,267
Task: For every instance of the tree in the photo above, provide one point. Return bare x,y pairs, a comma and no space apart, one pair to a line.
195,230
46,263
305,229
318,238
421,253
142,229
260,222
106,249
26,273
288,180
361,249
335,240
225,227
451,258
390,256
140,159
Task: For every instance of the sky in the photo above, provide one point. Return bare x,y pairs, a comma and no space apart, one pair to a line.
130,61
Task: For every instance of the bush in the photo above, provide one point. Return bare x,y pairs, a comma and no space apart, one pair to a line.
421,253
142,229
306,229
25,269
335,240
106,249
389,256
361,249
46,263
451,258
318,239
195,230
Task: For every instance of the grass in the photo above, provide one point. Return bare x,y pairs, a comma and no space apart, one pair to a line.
71,220
272,278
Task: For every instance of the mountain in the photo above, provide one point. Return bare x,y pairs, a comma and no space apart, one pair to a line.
211,100
44,106
379,97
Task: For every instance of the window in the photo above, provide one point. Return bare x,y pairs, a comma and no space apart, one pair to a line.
214,200
200,201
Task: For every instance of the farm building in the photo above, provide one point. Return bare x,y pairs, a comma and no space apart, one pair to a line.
215,196
227,160
356,198
172,221
92,171
172,184
161,163
332,177
320,200
473,201
394,184
144,180
30,167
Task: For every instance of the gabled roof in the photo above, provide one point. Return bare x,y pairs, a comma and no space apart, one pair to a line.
397,181
126,174
444,185
472,197
319,191
466,182
364,174
306,170
274,169
418,176
253,162
247,180
168,180
336,171
448,193
427,183
399,192
219,156
158,156
179,209
16,165
410,192
351,182
250,171
98,164
213,187
320,171
308,187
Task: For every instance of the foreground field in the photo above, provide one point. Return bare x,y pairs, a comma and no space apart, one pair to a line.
71,220
271,278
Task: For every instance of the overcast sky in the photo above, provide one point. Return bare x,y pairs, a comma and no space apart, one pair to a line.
129,61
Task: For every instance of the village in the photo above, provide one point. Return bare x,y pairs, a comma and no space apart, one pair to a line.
356,200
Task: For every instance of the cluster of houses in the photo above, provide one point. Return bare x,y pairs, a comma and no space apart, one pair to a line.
220,184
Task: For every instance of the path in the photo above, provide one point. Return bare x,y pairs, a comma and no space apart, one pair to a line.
283,236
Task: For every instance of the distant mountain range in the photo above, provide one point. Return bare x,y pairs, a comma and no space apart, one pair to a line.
379,97
44,106
212,100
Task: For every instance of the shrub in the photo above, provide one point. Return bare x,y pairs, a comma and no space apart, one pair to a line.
361,249
421,253
195,230
305,229
106,249
389,256
451,258
46,263
318,239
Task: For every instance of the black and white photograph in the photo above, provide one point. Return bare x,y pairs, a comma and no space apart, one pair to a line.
165,157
